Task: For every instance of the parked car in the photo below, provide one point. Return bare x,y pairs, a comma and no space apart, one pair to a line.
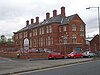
88,54
75,55
55,55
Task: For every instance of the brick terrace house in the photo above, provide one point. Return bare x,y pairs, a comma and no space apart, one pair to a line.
94,44
57,33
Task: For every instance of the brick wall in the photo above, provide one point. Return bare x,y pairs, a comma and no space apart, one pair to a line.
23,55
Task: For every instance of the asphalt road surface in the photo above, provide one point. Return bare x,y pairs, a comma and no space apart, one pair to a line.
90,68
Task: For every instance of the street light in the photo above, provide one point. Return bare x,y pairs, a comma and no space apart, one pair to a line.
98,21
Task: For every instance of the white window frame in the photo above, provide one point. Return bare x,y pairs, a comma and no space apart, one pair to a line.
42,30
47,29
59,29
64,27
81,33
73,27
50,28
74,39
81,28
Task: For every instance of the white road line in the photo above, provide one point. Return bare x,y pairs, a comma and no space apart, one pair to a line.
54,67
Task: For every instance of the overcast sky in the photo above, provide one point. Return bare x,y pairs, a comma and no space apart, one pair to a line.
14,13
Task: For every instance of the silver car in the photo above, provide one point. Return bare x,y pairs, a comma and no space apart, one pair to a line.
88,54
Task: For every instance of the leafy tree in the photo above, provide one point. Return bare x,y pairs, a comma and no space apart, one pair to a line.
5,41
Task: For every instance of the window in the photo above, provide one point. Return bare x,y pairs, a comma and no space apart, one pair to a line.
16,43
60,40
42,30
20,35
30,42
52,40
59,29
74,39
64,28
41,41
35,31
30,34
48,40
81,33
73,27
34,43
16,36
25,34
65,39
50,28
81,28
47,29
21,43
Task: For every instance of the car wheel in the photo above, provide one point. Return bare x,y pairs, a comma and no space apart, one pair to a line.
89,56
63,57
74,57
81,56
54,57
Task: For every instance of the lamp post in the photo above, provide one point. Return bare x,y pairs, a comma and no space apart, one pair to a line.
98,21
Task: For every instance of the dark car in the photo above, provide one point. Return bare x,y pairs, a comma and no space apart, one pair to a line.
75,55
55,55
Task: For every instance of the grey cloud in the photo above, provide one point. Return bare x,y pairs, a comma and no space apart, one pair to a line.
18,11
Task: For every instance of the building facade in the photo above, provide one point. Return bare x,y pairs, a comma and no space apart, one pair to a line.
58,33
94,44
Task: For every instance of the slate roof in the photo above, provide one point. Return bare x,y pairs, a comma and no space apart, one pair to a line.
59,19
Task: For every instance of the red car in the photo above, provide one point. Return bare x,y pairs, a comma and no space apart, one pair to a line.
54,55
75,55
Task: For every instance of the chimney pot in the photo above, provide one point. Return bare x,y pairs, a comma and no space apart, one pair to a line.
37,20
47,15
32,21
63,11
27,22
54,13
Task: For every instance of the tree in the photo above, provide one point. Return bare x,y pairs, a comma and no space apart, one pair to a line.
2,40
6,42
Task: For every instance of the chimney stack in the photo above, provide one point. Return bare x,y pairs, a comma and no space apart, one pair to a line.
32,21
47,15
63,11
54,13
37,20
27,22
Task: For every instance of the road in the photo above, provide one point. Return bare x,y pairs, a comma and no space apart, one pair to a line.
88,68
8,65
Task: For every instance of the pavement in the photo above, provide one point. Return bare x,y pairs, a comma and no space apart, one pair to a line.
12,66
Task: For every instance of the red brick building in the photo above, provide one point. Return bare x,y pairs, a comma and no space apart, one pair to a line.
59,32
94,44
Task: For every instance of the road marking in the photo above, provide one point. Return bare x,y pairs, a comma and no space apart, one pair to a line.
55,67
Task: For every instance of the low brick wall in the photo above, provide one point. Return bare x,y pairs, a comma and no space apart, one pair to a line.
8,54
23,55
